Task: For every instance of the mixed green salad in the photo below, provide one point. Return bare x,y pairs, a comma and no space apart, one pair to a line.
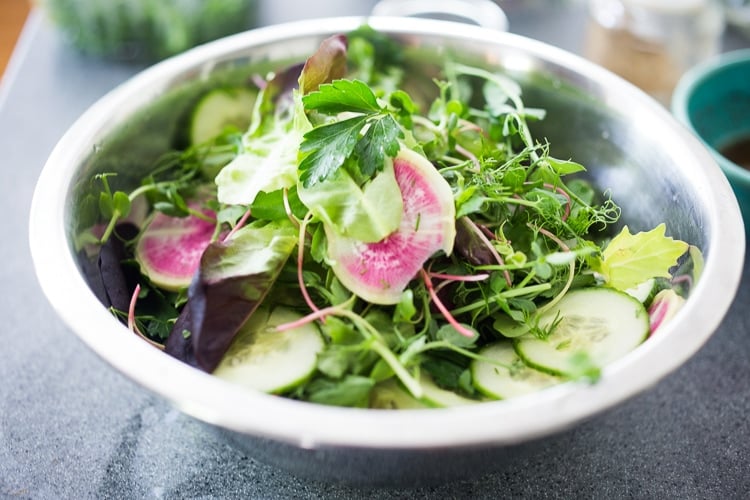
331,236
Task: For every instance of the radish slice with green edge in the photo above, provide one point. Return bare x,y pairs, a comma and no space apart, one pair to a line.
379,272
588,328
663,308
169,249
267,360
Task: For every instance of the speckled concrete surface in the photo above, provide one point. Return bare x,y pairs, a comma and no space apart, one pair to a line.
71,427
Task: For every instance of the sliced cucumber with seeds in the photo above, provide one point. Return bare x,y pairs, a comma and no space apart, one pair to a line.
219,109
437,397
502,374
267,360
599,325
391,395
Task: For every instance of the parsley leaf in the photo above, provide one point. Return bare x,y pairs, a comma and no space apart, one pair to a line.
325,148
342,96
380,139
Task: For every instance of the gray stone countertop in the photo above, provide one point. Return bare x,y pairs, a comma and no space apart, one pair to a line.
71,427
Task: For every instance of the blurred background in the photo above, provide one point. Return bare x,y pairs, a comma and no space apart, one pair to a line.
649,42
12,16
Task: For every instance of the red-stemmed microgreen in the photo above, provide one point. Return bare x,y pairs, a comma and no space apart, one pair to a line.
132,325
441,307
239,225
301,245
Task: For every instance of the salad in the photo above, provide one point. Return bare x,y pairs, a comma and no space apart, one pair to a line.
335,234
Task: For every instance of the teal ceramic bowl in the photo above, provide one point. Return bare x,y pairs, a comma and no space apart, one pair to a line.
713,100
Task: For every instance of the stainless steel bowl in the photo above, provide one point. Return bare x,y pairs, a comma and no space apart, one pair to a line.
657,170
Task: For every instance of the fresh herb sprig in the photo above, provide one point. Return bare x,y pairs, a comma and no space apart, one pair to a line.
326,147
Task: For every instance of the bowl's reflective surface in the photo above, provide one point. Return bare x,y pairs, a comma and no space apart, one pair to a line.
657,171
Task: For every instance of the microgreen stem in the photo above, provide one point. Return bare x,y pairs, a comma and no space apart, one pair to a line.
565,195
467,125
451,278
131,318
485,240
471,156
508,294
458,277
427,123
110,227
411,384
300,263
569,281
288,208
200,215
313,316
441,307
145,189
240,224
131,310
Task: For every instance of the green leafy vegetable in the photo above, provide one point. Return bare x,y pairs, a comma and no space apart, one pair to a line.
328,63
234,277
630,259
326,147
368,213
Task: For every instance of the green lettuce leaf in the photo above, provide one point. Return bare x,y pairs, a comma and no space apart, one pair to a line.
268,163
368,213
630,259
327,64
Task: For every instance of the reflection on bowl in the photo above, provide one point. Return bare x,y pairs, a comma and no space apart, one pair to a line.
657,170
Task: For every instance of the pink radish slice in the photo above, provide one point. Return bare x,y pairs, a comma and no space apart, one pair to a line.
379,272
665,305
169,249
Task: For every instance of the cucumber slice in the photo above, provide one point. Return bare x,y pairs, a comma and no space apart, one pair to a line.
509,376
219,109
437,397
603,324
266,360
390,395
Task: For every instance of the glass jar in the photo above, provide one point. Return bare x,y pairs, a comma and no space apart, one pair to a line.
652,43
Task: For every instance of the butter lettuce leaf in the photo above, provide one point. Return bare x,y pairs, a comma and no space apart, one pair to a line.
368,213
268,163
630,259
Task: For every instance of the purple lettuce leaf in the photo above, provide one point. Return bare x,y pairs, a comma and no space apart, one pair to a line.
233,279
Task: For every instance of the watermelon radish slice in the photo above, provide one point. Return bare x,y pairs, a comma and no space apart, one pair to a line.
169,249
379,272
